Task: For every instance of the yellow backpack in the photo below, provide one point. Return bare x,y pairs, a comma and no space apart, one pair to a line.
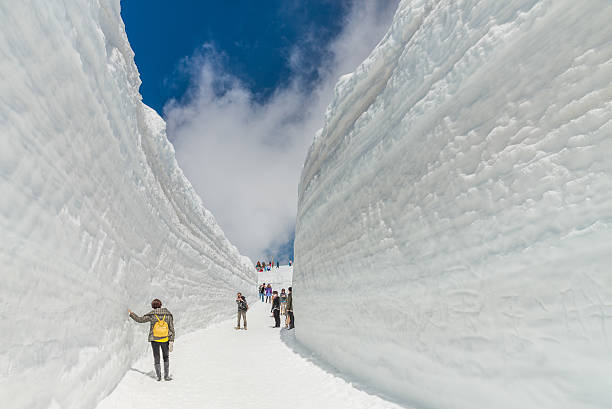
160,328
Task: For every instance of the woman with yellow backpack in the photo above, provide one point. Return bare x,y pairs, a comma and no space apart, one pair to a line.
161,335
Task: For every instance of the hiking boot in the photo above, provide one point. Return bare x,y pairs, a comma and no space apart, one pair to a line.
236,327
167,371
158,371
244,328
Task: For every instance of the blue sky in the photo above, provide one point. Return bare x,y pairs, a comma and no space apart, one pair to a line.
255,37
243,87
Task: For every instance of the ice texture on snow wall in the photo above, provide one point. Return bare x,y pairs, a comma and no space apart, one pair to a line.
454,239
95,214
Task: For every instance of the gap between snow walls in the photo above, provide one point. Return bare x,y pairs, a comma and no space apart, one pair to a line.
454,224
96,215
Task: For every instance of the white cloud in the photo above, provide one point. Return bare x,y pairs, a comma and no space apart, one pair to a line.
243,157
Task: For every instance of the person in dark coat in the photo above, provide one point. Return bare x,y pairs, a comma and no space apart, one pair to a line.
161,335
276,309
290,309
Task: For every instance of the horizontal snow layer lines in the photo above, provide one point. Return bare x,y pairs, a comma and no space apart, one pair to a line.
453,233
96,216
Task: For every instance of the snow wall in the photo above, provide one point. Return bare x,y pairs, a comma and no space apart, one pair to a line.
453,243
96,216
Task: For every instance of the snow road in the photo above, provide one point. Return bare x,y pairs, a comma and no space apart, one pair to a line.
221,368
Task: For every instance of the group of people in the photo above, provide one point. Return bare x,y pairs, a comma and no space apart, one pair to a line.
262,266
282,304
161,323
265,293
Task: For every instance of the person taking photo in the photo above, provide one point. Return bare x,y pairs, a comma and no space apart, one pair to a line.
243,307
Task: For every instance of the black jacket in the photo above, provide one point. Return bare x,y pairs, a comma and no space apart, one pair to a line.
275,304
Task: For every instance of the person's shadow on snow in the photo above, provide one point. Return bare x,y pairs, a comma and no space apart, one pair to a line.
150,374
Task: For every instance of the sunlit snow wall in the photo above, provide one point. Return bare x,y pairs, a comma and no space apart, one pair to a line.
454,235
95,215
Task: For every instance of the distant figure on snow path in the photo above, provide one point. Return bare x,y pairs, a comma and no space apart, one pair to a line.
283,302
268,293
262,291
161,335
290,309
276,309
277,264
243,307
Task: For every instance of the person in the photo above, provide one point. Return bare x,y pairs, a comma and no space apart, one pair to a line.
243,307
276,309
290,309
161,335
277,264
283,302
258,266
262,291
268,293
290,262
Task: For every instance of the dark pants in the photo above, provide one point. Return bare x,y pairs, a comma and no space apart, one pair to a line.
291,319
164,348
277,318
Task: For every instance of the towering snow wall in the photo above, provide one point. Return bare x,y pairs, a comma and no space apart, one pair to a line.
96,217
454,233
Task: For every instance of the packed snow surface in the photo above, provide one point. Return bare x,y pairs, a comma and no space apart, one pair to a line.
453,243
220,367
96,217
